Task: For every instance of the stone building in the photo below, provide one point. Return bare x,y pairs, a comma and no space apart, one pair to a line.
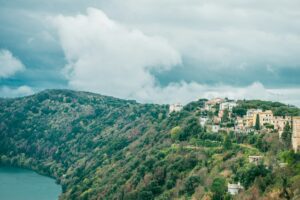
234,189
296,134
228,105
265,117
209,105
175,107
255,159
280,122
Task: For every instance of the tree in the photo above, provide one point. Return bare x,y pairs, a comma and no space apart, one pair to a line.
239,111
257,122
225,117
218,188
287,136
247,175
175,132
227,143
191,183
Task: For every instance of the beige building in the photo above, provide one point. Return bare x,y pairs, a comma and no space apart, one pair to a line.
234,189
265,117
280,122
250,118
175,107
256,159
228,105
296,134
211,103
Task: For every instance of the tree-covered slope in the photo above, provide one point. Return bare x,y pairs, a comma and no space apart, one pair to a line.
100,147
69,134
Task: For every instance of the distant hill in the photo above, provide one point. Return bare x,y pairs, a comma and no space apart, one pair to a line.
100,147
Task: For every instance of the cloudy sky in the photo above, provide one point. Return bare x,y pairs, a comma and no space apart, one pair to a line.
152,50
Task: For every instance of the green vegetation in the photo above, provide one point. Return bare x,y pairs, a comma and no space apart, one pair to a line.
257,122
279,109
100,147
287,136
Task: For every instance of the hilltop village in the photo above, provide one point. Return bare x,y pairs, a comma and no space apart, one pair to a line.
220,115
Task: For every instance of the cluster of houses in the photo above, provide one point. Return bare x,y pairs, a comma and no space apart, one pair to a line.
245,124
266,120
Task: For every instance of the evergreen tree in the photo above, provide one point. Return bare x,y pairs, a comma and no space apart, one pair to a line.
227,143
287,136
257,122
218,188
225,117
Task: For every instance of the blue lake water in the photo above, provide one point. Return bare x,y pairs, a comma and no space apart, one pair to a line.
22,184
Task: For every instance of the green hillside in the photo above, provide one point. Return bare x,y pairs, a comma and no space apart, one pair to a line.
100,147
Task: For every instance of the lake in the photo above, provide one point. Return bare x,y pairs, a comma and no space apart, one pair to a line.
23,184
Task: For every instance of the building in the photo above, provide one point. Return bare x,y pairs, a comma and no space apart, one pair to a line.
283,165
265,117
250,118
209,105
239,124
203,121
252,112
280,122
215,128
216,120
234,189
227,105
255,159
175,107
296,133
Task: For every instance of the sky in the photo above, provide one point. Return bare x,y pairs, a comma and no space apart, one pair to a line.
155,51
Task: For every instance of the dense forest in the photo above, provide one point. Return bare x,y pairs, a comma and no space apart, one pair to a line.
100,147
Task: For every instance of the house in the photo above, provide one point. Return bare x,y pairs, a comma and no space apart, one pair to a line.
239,124
280,122
209,105
227,105
252,112
234,189
296,133
265,117
283,165
221,113
203,121
255,159
215,128
175,107
250,117
216,120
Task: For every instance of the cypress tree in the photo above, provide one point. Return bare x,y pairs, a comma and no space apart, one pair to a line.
287,136
257,122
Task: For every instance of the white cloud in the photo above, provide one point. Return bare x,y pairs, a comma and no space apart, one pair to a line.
24,90
106,57
109,58
185,92
9,64
221,34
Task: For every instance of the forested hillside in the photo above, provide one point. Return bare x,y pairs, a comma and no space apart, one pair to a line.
100,147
